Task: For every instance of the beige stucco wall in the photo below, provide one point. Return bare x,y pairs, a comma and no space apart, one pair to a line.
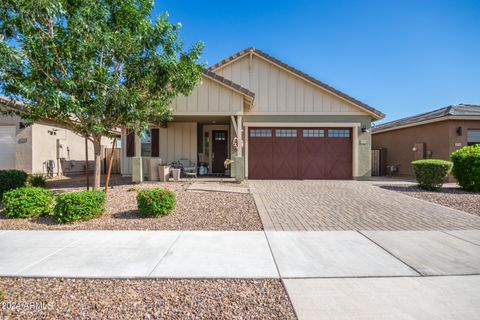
23,153
439,138
35,145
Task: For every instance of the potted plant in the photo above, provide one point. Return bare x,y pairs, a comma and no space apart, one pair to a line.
227,163
163,172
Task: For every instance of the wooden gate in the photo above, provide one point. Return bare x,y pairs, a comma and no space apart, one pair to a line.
107,152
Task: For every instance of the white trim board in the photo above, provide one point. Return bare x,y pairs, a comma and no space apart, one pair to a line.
303,124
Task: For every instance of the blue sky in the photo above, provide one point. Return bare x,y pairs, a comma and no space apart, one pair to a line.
400,56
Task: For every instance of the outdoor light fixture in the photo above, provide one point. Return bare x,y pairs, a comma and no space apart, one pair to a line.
460,131
365,130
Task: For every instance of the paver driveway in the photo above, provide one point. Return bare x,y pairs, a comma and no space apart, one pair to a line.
349,205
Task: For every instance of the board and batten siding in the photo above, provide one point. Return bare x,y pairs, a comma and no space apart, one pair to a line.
279,91
177,141
209,98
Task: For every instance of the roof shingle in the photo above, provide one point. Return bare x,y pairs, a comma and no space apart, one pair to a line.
452,110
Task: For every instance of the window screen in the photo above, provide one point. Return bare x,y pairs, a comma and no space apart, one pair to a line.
473,136
146,142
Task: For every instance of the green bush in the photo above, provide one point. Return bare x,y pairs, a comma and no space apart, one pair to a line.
82,205
431,174
12,179
466,167
28,202
37,180
155,202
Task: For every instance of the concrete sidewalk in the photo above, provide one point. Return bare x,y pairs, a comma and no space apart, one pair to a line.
328,275
230,254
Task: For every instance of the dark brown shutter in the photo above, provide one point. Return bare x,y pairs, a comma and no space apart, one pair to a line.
130,143
155,141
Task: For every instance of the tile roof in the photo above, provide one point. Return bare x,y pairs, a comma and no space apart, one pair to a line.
228,83
453,110
8,103
299,73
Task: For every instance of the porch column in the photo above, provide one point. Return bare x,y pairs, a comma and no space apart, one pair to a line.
137,170
239,135
239,160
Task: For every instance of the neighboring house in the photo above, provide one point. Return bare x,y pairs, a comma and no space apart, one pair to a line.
431,135
287,125
41,146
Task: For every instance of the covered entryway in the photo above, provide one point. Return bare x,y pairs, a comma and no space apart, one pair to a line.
7,147
300,153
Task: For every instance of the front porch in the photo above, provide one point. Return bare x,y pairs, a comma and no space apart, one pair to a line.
197,145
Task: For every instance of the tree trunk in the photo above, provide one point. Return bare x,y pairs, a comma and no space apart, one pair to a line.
97,147
87,174
107,180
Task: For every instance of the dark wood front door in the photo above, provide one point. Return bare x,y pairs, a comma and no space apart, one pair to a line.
300,153
219,150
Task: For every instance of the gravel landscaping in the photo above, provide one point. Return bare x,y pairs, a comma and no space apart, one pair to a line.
195,210
57,298
454,198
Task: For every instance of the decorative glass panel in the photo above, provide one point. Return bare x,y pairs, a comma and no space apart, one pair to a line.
220,136
260,132
286,132
338,133
313,133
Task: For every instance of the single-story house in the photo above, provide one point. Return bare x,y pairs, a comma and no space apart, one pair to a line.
43,147
272,120
432,135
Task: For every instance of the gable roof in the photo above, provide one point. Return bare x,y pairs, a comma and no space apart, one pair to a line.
376,113
460,110
228,83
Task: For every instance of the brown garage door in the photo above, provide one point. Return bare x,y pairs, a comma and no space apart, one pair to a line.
300,153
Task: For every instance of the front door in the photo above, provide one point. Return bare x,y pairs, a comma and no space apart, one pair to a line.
219,150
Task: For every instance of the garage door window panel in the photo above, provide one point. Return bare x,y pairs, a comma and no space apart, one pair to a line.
338,133
313,133
261,133
286,133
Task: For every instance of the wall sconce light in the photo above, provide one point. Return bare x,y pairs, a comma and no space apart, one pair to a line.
460,131
365,130
414,149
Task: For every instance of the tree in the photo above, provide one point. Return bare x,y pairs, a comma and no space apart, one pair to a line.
93,66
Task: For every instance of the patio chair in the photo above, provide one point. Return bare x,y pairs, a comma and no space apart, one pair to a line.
188,167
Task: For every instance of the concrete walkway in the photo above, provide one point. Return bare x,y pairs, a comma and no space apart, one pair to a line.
335,274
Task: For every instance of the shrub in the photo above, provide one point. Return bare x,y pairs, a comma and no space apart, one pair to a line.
28,202
431,174
466,167
82,205
12,179
155,202
37,180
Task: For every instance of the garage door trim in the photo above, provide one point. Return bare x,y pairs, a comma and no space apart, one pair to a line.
353,125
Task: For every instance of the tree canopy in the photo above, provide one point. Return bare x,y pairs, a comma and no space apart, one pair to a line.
94,65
